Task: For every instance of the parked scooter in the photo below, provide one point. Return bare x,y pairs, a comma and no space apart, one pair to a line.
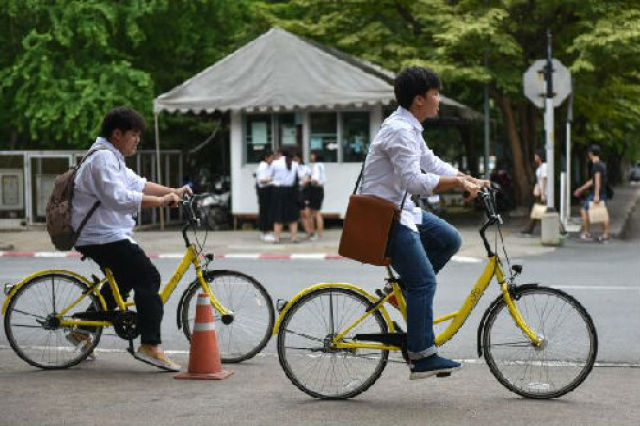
215,206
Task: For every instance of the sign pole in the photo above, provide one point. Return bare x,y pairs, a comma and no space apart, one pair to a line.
548,125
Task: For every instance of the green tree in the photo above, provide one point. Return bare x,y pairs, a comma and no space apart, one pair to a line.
598,40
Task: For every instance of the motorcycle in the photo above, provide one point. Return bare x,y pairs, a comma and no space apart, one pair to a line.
215,206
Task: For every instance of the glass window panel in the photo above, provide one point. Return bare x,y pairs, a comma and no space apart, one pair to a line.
290,131
258,136
324,135
355,135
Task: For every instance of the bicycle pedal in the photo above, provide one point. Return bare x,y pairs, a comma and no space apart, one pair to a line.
443,374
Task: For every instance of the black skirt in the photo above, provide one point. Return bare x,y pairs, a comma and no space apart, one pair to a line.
284,203
315,197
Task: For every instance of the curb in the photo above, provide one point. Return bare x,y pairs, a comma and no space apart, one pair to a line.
627,215
248,256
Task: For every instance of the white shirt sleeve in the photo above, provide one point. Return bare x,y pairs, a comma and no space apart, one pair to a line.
109,188
431,163
135,182
405,155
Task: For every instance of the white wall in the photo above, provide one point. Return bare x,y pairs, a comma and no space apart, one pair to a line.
341,177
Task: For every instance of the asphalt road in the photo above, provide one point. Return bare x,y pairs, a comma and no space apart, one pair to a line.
603,277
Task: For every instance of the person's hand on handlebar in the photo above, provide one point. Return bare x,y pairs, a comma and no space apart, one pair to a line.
170,200
180,192
470,187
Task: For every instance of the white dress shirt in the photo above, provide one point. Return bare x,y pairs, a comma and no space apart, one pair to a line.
280,175
263,173
393,165
318,174
105,177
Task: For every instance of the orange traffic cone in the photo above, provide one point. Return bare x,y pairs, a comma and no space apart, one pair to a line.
204,357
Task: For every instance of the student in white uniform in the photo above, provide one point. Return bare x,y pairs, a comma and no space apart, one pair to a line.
315,191
284,175
304,180
264,188
107,237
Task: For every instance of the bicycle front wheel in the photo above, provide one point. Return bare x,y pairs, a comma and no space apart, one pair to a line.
247,331
305,351
563,360
33,330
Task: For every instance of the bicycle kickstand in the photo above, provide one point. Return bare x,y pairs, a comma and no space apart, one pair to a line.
139,358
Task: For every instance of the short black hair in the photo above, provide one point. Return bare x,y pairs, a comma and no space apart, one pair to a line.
542,153
594,149
413,81
121,118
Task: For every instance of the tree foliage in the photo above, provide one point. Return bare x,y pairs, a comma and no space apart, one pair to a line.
597,40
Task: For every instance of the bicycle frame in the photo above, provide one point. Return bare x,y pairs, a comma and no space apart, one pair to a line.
190,258
457,318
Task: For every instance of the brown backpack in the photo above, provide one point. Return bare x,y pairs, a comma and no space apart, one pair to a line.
59,208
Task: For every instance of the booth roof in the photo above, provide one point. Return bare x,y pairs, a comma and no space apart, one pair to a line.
281,71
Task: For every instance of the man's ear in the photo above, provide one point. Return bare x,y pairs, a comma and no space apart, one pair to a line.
116,135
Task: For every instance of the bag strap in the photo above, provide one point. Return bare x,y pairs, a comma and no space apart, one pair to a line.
96,204
359,180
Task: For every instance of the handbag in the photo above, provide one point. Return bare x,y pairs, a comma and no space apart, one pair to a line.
367,223
537,211
598,213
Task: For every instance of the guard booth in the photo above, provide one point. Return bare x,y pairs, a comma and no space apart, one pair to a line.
27,178
284,91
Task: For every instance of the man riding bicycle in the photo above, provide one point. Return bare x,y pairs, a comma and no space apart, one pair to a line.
107,236
420,244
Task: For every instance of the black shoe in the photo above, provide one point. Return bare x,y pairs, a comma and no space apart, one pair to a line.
431,366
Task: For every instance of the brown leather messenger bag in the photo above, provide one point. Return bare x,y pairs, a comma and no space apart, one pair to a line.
367,223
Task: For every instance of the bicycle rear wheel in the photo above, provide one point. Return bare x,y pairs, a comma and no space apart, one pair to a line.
251,326
306,355
33,331
561,363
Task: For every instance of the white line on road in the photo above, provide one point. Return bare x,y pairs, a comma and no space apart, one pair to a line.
595,287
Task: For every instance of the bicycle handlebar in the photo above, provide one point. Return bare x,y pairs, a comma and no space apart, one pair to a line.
488,197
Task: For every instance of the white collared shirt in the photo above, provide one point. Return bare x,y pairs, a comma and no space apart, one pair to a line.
396,157
318,174
263,174
105,177
280,175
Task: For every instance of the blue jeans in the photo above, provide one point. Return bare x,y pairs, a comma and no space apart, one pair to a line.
418,257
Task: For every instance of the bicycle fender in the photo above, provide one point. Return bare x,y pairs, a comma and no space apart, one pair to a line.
189,288
491,307
71,274
370,297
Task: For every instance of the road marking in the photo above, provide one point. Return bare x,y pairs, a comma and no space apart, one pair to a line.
466,259
596,287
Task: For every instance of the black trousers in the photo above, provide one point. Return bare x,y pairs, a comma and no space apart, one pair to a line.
132,270
264,204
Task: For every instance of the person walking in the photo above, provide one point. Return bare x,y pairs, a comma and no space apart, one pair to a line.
599,182
539,190
285,209
420,244
316,196
107,237
264,188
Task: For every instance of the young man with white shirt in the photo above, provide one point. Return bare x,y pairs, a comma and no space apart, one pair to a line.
107,236
420,244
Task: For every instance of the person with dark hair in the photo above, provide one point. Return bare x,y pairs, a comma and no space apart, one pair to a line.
284,175
264,188
104,180
420,243
598,181
316,196
539,190
304,180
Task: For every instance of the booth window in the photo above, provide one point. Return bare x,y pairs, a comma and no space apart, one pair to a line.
355,135
258,136
324,135
290,132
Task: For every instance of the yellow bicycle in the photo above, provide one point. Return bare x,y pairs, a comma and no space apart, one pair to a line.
334,339
43,309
